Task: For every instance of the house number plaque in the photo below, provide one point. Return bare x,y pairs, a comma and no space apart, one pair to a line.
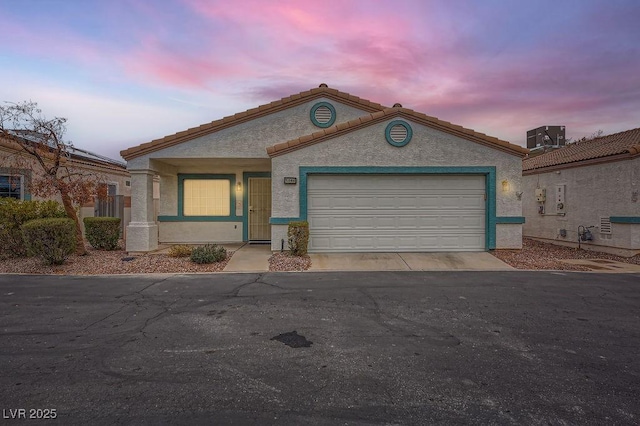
290,180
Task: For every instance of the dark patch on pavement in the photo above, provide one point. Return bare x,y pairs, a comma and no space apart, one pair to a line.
293,340
127,259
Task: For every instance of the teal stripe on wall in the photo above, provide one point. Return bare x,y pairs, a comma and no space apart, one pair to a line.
625,219
510,219
283,220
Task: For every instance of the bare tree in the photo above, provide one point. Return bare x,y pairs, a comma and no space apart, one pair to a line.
40,147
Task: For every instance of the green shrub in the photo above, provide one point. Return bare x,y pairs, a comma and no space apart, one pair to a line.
102,232
208,254
52,239
298,234
13,214
180,251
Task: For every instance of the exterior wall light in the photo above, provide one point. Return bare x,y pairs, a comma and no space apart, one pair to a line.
505,186
239,187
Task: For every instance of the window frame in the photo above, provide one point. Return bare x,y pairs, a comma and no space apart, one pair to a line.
22,185
232,196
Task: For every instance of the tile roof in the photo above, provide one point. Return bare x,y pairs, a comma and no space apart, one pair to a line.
387,113
251,114
625,143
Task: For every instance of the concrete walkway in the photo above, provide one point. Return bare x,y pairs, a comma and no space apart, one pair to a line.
249,258
603,265
472,261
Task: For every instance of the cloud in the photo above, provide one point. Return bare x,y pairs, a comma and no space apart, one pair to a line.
488,66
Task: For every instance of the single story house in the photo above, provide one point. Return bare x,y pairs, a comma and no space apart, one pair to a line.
589,185
17,171
367,178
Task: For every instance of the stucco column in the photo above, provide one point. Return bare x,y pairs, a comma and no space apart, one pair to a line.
142,232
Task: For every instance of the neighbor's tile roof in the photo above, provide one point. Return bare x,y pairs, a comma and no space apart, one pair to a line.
627,142
251,114
387,113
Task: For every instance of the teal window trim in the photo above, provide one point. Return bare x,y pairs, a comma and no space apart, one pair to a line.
329,123
510,220
488,171
245,200
387,133
232,200
625,219
198,219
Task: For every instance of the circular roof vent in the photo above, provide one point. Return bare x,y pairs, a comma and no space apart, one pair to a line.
323,85
397,105
398,133
323,114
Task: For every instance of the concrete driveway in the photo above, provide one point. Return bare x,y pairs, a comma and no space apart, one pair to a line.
410,348
460,261
255,258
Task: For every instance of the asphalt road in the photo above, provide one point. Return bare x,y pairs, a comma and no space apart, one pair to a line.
388,348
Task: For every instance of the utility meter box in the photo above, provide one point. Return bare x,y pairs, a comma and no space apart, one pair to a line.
541,195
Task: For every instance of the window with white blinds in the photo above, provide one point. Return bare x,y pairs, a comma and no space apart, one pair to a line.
207,197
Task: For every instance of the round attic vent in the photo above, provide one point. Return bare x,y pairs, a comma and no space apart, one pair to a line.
323,85
323,114
397,105
398,133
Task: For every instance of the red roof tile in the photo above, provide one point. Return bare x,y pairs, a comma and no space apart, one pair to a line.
627,142
253,113
378,116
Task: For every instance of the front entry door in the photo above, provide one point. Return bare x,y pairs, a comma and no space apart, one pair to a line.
259,209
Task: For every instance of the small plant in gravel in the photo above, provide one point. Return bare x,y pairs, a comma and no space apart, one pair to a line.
180,250
102,232
51,239
208,253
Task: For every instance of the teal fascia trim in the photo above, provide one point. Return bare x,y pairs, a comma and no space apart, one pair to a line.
488,171
510,219
625,219
329,123
387,133
182,218
199,219
245,200
283,220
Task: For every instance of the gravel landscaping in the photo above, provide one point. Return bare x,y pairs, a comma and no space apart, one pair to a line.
539,255
534,255
287,262
111,262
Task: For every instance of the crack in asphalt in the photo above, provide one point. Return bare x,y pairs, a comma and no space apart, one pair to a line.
434,336
236,291
127,303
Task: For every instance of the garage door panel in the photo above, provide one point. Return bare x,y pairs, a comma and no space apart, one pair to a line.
396,213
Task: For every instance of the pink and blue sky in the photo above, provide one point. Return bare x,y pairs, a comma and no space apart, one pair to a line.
125,72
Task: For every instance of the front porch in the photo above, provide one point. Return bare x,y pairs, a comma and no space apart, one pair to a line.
200,200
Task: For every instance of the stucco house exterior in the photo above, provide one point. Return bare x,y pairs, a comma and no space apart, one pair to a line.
17,172
367,178
592,183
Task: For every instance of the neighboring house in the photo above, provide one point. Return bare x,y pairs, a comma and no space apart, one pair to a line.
16,181
592,183
367,178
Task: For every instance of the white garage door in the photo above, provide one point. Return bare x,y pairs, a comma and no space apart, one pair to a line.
370,213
